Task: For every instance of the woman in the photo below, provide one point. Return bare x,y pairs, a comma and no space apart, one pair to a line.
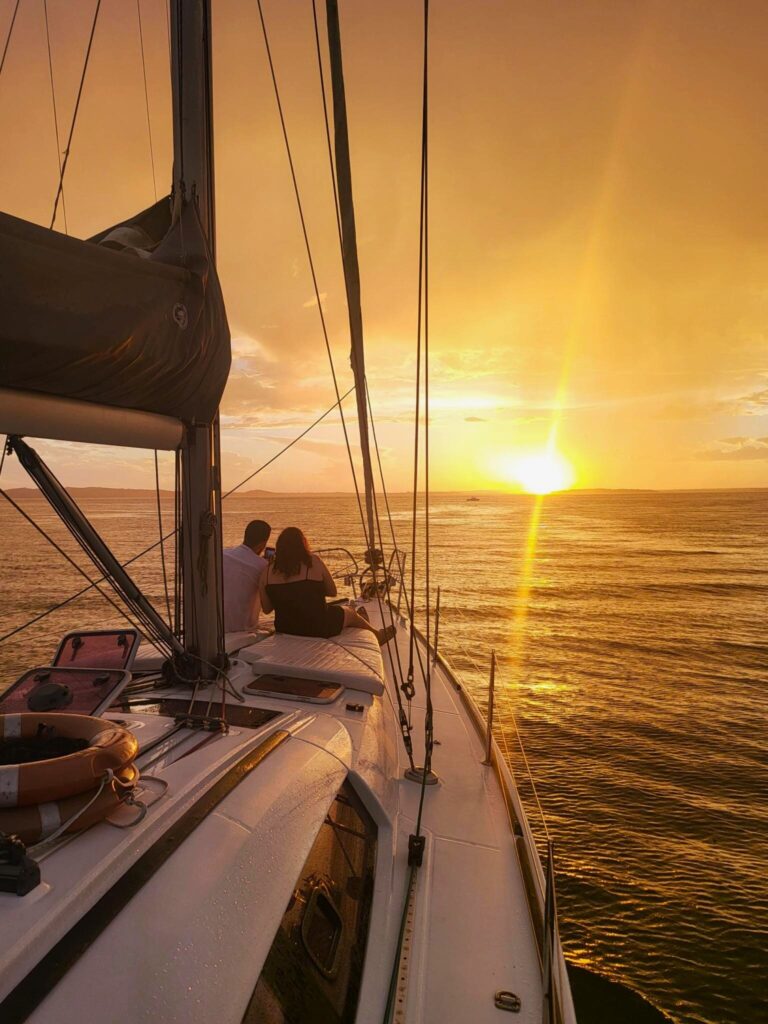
295,585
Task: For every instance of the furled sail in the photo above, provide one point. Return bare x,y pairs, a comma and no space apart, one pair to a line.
132,319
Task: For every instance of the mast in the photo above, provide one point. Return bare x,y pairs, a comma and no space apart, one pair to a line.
349,257
201,484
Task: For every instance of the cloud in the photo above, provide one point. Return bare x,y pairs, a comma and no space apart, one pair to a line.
754,404
736,449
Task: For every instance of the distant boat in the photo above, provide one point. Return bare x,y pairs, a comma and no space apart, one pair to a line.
473,498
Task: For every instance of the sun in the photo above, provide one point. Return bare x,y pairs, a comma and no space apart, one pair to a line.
541,472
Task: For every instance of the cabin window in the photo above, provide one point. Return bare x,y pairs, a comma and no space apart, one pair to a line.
313,971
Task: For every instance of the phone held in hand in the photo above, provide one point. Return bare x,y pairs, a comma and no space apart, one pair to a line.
269,554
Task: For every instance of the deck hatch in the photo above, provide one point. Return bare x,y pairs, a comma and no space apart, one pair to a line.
241,716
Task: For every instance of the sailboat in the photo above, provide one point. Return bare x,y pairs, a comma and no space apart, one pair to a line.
268,828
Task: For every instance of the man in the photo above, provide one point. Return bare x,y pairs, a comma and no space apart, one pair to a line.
242,569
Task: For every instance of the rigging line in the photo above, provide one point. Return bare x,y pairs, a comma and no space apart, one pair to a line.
416,415
75,113
373,514
428,712
395,546
162,545
327,129
397,676
400,674
175,532
312,269
146,99
404,686
55,112
63,553
167,5
131,601
8,37
178,556
292,443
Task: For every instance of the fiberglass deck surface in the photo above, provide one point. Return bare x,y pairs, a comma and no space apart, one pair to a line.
473,933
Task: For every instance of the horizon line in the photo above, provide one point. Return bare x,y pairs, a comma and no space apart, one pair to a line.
351,494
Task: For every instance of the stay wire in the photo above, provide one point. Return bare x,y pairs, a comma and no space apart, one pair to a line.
428,713
408,691
55,112
178,625
146,99
93,584
331,163
292,443
150,629
397,673
300,207
161,541
337,209
75,113
176,531
418,399
8,37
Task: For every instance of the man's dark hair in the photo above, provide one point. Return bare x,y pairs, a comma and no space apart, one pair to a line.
256,532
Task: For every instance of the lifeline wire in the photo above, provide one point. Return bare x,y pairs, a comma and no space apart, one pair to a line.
503,735
75,113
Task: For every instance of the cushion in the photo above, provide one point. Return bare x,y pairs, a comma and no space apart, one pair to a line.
353,658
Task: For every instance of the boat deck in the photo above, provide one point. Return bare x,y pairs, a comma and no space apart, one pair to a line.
178,929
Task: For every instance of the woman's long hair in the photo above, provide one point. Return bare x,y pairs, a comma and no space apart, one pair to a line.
291,552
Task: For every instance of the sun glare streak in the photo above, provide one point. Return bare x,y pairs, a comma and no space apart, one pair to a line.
588,294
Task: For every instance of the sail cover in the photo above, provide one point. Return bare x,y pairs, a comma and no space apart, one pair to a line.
133,318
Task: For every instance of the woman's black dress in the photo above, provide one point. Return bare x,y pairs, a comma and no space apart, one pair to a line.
300,608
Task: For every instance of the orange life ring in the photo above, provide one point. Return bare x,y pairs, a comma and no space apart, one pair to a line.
31,824
109,747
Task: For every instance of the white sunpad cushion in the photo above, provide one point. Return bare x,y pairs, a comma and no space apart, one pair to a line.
353,658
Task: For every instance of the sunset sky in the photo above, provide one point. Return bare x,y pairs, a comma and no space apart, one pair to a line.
598,234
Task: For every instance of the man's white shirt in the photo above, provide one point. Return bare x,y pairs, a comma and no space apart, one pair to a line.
242,603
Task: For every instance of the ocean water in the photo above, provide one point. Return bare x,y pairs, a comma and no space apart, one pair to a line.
630,632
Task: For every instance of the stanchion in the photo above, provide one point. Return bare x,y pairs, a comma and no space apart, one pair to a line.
491,686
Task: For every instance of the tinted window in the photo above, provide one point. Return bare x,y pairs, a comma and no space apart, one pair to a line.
313,971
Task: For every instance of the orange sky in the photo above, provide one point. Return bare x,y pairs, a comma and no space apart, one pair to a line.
599,226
